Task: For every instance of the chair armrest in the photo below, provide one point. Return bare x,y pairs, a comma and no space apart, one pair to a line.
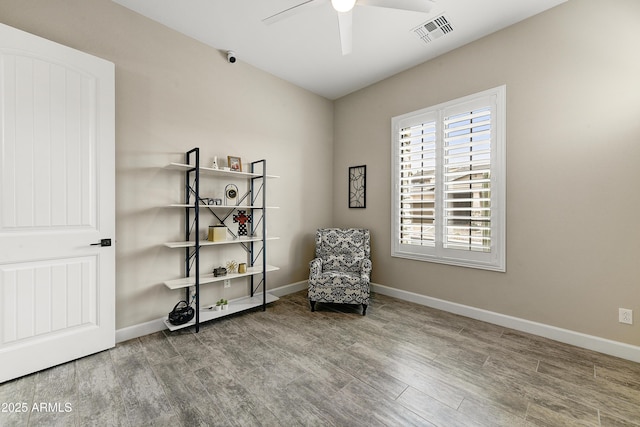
366,269
315,268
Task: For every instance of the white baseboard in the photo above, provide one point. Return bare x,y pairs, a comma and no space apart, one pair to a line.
289,289
158,325
590,342
140,330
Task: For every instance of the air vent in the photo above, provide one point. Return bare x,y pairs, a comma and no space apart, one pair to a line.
433,29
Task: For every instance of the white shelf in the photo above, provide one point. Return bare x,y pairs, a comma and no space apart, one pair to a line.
204,242
210,278
184,205
235,306
184,167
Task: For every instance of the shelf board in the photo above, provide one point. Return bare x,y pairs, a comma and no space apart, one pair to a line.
184,167
235,306
210,278
184,205
204,242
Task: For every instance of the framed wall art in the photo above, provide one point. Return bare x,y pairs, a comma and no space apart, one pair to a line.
358,186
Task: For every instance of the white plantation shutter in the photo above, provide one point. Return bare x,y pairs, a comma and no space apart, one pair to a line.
417,184
467,180
449,182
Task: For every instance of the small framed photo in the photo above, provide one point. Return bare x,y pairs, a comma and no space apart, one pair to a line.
235,163
358,187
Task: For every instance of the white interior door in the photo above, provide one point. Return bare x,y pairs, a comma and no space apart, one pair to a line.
57,292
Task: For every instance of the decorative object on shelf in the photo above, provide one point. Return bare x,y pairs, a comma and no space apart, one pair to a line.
182,313
242,219
219,271
214,165
235,164
223,304
230,194
232,266
358,186
242,267
217,233
211,201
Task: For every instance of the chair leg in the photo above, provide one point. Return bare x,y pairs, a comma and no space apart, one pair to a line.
313,305
364,309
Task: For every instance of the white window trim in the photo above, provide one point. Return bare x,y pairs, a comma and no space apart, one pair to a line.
495,259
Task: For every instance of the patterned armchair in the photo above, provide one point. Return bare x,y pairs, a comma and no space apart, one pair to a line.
341,271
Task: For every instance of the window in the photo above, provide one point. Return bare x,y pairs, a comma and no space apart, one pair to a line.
449,182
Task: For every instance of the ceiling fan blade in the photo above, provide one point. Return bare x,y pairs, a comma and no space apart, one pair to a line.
345,20
413,5
308,4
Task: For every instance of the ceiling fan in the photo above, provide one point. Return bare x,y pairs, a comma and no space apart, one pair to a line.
345,13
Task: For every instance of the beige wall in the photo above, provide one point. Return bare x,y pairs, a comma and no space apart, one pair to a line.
573,90
573,146
172,94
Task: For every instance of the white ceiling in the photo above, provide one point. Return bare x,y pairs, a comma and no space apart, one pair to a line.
304,49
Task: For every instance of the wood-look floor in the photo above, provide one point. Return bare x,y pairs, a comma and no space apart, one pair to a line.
401,365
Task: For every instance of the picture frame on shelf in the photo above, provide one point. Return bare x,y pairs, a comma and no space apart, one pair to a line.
234,163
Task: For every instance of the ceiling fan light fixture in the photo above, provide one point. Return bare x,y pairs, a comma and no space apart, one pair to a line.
343,5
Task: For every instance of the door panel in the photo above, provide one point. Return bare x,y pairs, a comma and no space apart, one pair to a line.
49,145
45,297
56,198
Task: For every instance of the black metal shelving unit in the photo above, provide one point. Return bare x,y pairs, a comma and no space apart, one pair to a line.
256,247
192,191
258,189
